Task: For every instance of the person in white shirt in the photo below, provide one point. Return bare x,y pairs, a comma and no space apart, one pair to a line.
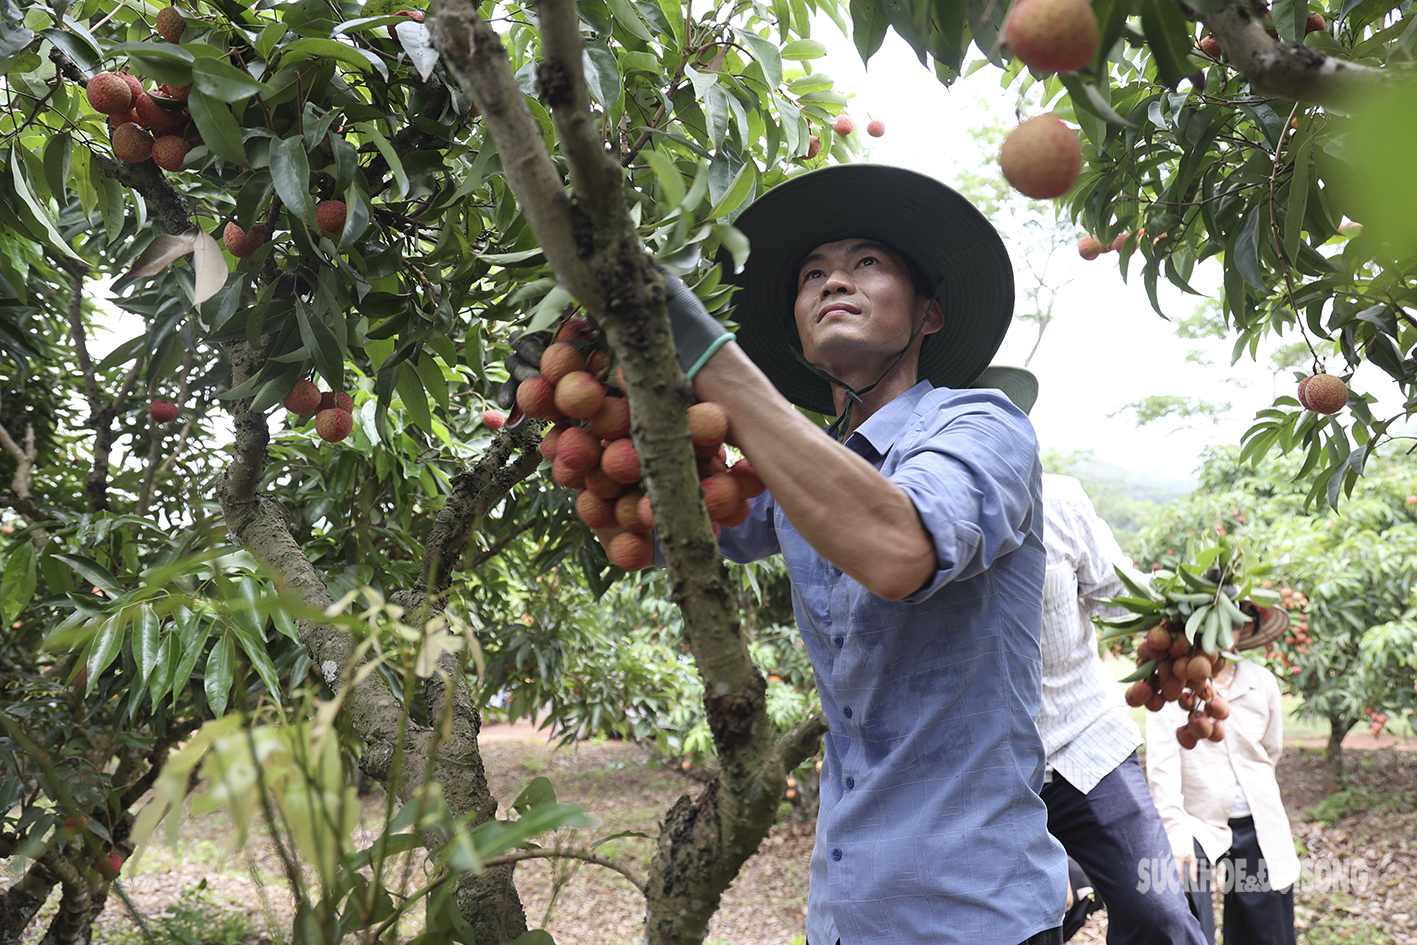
1096,794
1220,801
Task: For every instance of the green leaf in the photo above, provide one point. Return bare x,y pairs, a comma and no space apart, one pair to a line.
766,53
1246,251
58,158
106,647
35,216
218,128
1141,672
803,50
222,81
290,174
627,16
18,583
93,572
415,401
737,193
317,338
431,373
1169,39
254,646
324,49
390,155
145,641
160,61
220,674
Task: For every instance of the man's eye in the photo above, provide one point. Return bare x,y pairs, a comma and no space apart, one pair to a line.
868,261
811,274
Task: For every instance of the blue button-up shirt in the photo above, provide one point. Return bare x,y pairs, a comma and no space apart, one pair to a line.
930,829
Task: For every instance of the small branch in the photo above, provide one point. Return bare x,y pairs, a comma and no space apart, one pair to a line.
802,742
518,856
19,497
155,441
81,350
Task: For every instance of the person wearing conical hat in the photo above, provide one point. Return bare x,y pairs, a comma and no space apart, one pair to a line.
913,539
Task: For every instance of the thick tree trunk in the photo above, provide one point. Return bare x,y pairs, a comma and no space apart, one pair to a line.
1333,752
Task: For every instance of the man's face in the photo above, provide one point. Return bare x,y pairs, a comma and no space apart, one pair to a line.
856,305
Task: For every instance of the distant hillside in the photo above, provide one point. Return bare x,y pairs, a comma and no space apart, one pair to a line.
1126,500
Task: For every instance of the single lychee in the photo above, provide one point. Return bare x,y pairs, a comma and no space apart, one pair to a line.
738,516
565,475
171,24
551,440
612,420
1118,242
327,400
330,216
162,412
131,143
598,364
712,465
620,461
1217,732
494,419
630,551
598,483
708,425
1042,157
1090,247
1210,46
1218,709
560,359
646,512
333,424
721,496
1139,693
750,484
414,15
875,127
1315,23
578,449
1053,35
179,92
135,84
579,395
627,511
240,243
814,146
344,401
169,152
1184,736
110,866
537,397
595,511
844,125
109,92
1323,393
575,328
153,116
304,397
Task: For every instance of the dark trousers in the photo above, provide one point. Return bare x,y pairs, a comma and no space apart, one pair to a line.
1116,835
1046,937
1255,914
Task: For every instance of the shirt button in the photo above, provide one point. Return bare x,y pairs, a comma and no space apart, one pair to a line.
836,572
846,711
839,641
836,853
850,782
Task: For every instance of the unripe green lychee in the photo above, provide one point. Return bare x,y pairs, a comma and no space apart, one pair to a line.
333,424
330,216
1323,393
169,152
109,92
171,24
630,551
1042,157
620,461
131,143
304,397
1053,35
579,395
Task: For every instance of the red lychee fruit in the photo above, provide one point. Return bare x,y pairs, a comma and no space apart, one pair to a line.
551,440
110,866
333,424
135,84
1323,393
738,516
598,364
575,328
631,551
162,412
875,127
1118,242
494,419
578,449
304,397
1042,158
750,484
627,511
612,420
814,146
153,116
171,24
1217,732
169,152
566,475
179,92
131,143
1090,247
1210,46
330,216
646,512
708,425
344,401
595,511
620,461
414,15
240,243
1218,708
598,483
537,398
1184,736
560,359
712,465
1139,693
327,400
721,496
579,395
109,92
1053,35
1315,23
844,125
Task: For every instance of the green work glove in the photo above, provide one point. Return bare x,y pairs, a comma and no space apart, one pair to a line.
697,334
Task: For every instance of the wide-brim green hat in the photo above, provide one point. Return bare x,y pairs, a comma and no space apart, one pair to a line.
958,250
1018,384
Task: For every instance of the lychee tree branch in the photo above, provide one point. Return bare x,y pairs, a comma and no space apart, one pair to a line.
19,497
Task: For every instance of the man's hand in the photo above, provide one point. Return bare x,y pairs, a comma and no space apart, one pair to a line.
1187,864
524,364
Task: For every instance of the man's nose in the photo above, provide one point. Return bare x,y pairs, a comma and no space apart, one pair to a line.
838,280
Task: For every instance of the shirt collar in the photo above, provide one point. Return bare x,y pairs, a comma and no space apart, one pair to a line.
885,426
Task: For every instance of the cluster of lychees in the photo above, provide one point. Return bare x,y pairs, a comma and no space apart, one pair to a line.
591,452
1298,638
146,124
1182,675
334,411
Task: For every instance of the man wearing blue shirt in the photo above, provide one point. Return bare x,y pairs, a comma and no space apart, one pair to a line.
913,541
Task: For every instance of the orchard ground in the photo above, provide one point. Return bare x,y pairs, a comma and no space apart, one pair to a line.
1375,820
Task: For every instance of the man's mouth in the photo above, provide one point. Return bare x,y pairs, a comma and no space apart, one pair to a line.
837,308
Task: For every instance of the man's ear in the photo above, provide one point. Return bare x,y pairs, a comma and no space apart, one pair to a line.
934,318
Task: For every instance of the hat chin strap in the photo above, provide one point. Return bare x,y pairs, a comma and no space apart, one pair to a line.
841,426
